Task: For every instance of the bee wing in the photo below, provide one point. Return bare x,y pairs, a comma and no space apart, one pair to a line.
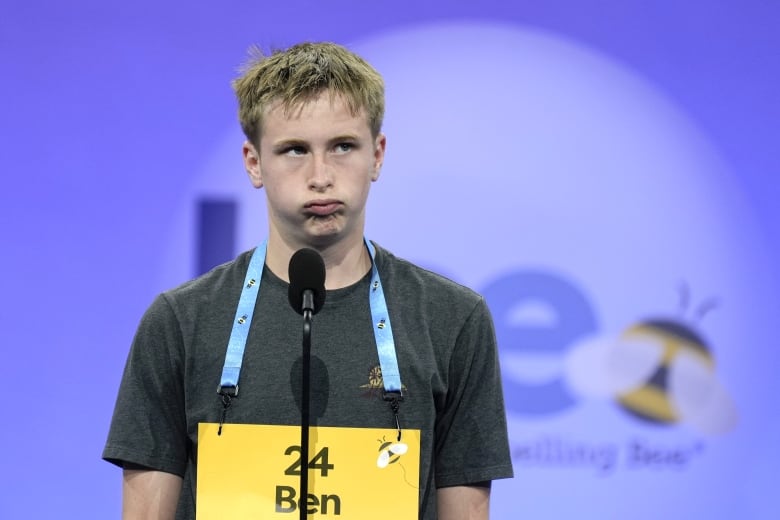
698,396
383,460
399,448
604,367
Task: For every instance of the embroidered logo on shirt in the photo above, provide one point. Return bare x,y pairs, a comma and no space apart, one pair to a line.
376,384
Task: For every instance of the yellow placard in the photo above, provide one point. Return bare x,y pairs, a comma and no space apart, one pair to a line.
253,471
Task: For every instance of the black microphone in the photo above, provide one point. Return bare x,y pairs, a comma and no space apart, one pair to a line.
306,295
307,281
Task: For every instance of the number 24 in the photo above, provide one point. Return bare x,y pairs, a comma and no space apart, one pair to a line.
320,462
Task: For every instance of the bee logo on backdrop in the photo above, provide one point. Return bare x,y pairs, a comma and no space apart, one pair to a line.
658,372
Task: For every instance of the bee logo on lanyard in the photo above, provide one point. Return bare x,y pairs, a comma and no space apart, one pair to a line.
658,370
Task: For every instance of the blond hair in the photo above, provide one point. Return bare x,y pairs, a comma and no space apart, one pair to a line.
297,75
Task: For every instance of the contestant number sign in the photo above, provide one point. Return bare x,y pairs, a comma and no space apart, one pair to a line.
253,471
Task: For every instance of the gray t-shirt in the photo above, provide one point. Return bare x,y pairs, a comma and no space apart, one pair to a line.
447,357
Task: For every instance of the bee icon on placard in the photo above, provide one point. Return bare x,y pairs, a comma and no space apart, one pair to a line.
658,370
390,452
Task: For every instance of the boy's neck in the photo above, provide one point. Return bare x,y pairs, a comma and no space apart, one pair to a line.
346,261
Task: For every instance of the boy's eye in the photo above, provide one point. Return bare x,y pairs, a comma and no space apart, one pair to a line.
294,150
344,147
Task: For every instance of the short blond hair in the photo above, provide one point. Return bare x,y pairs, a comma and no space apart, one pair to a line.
297,75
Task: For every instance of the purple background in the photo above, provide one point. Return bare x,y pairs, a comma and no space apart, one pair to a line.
109,110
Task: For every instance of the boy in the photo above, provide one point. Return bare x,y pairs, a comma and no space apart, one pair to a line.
312,116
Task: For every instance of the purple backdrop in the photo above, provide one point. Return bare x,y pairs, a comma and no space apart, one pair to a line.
115,118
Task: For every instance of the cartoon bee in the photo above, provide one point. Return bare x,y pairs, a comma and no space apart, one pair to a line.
389,453
659,370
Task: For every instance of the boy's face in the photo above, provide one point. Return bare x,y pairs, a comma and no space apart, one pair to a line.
316,164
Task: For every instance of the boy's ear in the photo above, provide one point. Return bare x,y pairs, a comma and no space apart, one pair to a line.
252,164
379,155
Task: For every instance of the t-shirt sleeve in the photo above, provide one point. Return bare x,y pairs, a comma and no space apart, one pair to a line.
471,432
148,427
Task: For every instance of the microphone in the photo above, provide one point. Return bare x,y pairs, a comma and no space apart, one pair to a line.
307,281
306,295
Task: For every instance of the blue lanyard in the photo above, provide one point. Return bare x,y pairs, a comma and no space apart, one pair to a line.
383,333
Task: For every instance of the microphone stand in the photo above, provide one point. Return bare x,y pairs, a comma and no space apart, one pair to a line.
308,305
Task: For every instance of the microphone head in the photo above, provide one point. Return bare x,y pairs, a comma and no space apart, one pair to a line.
307,272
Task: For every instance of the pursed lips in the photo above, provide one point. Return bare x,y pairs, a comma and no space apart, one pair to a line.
322,207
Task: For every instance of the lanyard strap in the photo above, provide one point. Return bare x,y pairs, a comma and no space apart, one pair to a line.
383,333
242,322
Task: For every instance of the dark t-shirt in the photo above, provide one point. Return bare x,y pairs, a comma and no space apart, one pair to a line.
446,351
